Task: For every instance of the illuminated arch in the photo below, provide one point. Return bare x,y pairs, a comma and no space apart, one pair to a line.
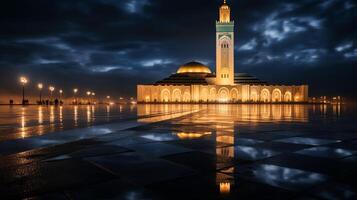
288,96
297,97
186,96
265,95
223,94
176,95
234,94
212,94
204,94
254,96
165,95
276,95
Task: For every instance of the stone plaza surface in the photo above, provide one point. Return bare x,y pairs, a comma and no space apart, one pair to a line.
200,152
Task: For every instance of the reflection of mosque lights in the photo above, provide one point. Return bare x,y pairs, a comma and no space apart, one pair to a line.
185,135
93,113
225,188
52,118
88,114
40,115
23,122
40,121
222,119
61,117
108,112
75,115
52,114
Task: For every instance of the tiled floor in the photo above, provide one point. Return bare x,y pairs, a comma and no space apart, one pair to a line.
227,158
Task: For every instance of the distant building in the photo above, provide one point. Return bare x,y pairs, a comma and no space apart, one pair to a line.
194,82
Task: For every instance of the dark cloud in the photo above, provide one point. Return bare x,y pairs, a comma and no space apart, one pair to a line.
110,45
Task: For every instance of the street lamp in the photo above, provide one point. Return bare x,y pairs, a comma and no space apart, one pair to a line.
23,81
93,99
61,92
108,97
88,94
75,90
51,88
40,87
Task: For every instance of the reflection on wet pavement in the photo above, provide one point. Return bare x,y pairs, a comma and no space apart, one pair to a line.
181,152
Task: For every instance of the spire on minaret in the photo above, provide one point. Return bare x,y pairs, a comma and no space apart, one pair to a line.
224,13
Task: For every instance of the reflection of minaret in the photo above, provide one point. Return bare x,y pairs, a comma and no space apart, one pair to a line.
224,47
225,134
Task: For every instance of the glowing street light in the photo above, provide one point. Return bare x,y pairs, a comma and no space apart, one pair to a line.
51,88
93,99
88,94
61,92
23,81
40,87
75,90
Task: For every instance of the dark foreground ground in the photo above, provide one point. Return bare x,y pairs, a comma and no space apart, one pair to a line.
209,152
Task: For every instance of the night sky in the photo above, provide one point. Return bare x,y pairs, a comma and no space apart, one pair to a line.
109,46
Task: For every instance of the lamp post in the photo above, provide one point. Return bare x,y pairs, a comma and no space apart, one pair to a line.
108,98
93,99
61,92
23,81
51,88
40,87
75,90
88,94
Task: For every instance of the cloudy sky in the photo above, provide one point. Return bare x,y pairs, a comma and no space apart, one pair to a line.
111,45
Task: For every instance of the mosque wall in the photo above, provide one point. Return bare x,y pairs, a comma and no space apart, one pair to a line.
221,94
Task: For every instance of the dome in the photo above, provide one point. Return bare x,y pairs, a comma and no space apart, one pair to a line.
194,67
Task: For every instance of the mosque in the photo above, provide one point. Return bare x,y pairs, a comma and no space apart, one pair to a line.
196,83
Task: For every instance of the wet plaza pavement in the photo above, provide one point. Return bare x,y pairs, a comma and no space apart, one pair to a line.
191,152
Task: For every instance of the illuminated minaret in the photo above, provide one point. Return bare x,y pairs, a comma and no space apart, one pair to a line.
224,47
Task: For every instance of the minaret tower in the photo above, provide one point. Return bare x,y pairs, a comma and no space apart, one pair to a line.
225,47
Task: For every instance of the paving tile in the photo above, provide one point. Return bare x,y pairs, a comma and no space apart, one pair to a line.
129,141
307,163
333,190
98,150
141,169
246,141
282,147
252,153
307,141
52,196
158,149
202,162
159,136
114,189
40,178
282,177
326,152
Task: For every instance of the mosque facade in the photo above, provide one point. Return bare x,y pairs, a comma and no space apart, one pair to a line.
194,82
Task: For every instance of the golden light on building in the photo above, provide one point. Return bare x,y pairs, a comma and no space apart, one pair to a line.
194,82
225,188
